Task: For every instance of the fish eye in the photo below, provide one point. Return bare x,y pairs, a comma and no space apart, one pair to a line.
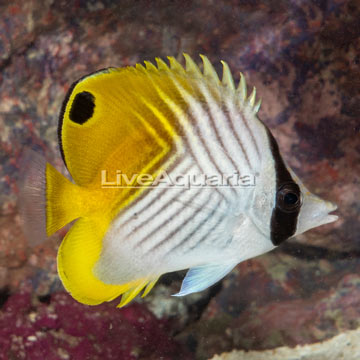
288,197
82,107
291,199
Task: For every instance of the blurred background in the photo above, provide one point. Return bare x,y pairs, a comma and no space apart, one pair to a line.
303,56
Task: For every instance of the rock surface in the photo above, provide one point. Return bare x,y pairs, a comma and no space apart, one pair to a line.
343,346
277,300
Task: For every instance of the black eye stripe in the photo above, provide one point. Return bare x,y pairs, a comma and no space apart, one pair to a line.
283,223
82,107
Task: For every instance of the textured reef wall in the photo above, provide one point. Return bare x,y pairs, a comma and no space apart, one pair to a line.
303,58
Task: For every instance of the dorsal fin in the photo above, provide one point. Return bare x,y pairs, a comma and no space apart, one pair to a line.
209,73
94,105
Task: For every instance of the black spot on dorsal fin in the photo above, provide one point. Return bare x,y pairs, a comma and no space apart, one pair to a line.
82,108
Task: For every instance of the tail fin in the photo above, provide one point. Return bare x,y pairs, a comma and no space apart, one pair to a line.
47,200
32,200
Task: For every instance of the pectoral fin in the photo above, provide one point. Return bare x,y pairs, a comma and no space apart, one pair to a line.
201,277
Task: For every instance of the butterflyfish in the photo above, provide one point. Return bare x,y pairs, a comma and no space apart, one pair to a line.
123,133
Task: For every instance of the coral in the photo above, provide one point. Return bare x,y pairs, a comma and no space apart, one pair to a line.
59,328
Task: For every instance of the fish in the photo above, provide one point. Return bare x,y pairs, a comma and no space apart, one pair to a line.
123,133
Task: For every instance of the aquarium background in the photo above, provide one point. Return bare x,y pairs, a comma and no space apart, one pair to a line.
304,59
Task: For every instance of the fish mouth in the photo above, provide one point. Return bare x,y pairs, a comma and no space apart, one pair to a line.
315,212
327,217
331,206
330,218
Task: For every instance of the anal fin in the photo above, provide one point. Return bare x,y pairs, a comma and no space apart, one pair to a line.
149,287
130,294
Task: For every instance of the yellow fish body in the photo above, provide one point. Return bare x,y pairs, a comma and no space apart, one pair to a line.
124,127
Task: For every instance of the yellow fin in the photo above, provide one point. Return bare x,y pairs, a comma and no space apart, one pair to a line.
77,256
62,200
133,292
150,66
149,287
130,294
140,68
161,64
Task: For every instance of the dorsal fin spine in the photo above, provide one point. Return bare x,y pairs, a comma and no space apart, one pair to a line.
150,66
257,106
161,64
227,78
190,66
242,87
175,65
140,67
252,97
209,71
